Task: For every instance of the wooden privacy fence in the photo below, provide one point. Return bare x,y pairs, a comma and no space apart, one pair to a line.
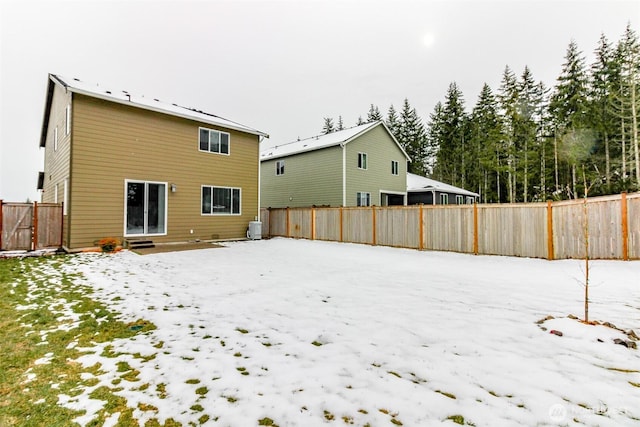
551,230
30,226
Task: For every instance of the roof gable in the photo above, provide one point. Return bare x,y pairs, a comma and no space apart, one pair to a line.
126,98
319,142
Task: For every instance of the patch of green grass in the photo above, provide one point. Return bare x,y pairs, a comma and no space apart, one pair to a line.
328,415
197,408
242,330
201,391
394,373
458,419
42,288
444,393
316,343
266,421
192,381
634,384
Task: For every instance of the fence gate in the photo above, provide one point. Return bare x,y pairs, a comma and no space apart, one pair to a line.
27,226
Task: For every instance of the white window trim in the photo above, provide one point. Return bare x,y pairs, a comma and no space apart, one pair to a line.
359,196
55,139
470,200
215,152
395,167
278,163
445,197
55,193
65,197
366,161
459,199
67,120
221,213
166,207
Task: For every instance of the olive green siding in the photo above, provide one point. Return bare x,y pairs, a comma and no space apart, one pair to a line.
113,143
381,150
310,178
56,161
316,177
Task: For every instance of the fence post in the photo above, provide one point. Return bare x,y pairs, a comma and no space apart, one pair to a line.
34,228
373,212
421,228
287,223
550,251
625,227
313,223
62,225
1,221
341,238
475,229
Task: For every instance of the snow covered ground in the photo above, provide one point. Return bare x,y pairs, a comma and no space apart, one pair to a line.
309,333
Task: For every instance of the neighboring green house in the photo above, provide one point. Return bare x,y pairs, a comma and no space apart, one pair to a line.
359,166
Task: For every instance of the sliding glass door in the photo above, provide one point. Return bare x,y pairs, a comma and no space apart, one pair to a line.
146,208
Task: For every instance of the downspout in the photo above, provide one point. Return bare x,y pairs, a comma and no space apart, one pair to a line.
433,199
260,139
344,175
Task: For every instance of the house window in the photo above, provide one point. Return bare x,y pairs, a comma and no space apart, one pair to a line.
394,167
67,120
214,141
444,199
55,194
362,160
280,167
220,200
363,199
459,200
55,139
470,200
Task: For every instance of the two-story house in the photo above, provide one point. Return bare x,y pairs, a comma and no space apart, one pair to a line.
133,167
359,166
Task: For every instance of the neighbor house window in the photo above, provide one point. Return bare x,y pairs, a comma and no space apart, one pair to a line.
444,199
394,167
214,141
220,200
363,199
55,139
459,200
280,167
470,200
362,160
67,120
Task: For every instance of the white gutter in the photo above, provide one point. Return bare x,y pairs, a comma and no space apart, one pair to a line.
260,139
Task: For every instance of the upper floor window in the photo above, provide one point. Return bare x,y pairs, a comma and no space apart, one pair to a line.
363,199
220,200
55,139
444,199
214,141
362,160
67,120
394,167
280,167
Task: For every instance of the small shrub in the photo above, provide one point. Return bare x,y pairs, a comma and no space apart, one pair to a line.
108,244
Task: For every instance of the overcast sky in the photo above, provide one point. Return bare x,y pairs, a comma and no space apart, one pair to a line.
278,66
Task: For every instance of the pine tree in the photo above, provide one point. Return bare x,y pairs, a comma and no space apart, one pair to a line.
434,136
340,124
374,114
360,121
328,126
393,122
509,102
452,157
486,135
412,138
569,111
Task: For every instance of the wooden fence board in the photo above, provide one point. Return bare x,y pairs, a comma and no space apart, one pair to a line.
552,230
49,225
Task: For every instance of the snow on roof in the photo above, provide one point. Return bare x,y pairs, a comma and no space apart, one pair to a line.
153,104
419,183
320,141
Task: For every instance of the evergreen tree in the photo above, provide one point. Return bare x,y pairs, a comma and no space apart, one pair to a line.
374,114
434,136
360,121
412,138
340,124
509,98
328,126
451,161
393,122
486,135
569,112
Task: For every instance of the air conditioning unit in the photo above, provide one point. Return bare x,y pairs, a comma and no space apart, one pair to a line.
255,230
